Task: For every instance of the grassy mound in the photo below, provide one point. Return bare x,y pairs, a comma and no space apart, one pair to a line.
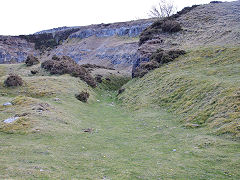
202,87
37,98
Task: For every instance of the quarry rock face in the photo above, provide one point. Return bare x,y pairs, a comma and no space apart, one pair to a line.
132,31
14,49
116,45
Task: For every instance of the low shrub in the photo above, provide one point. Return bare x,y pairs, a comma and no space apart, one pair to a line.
34,72
31,60
166,25
66,65
98,78
216,2
149,65
83,96
163,57
13,80
183,11
108,79
171,26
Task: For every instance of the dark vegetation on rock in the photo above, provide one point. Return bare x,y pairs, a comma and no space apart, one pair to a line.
13,80
163,57
34,72
98,78
31,60
66,65
171,26
48,41
215,2
166,25
83,96
183,11
157,59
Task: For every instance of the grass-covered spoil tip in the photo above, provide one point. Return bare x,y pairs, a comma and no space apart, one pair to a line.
31,60
13,80
66,65
83,96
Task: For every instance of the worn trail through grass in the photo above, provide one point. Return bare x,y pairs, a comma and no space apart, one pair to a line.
147,144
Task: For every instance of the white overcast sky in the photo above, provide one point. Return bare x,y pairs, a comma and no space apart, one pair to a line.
29,16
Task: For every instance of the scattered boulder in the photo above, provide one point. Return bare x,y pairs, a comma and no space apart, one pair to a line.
10,120
83,96
7,104
31,60
13,80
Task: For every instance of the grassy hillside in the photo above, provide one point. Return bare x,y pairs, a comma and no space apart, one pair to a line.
60,137
203,88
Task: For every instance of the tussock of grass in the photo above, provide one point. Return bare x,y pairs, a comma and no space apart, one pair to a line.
202,86
20,126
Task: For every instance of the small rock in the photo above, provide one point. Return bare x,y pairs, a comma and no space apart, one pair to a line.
7,104
98,100
56,99
10,120
41,170
174,150
88,130
34,72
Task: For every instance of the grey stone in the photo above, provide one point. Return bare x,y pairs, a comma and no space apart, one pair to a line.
10,120
7,104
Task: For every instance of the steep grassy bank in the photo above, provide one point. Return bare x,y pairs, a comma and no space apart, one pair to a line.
203,87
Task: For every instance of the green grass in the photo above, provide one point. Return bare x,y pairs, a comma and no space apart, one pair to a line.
202,87
133,139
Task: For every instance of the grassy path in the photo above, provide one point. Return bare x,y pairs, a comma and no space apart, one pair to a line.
147,144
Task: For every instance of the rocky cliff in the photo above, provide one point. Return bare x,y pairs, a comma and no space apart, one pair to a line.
116,44
113,44
15,49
